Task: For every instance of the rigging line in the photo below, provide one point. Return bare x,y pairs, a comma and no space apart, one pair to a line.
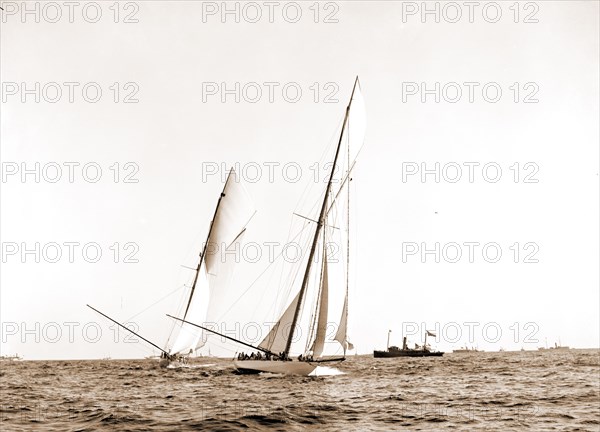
317,312
203,252
323,160
155,303
241,232
282,298
314,207
292,277
180,307
315,281
126,328
292,273
193,249
320,219
355,229
225,336
277,297
252,284
325,152
260,300
346,305
346,177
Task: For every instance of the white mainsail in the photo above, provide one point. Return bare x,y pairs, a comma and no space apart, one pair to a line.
207,298
224,247
189,337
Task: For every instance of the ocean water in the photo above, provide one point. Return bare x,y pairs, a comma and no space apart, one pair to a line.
536,391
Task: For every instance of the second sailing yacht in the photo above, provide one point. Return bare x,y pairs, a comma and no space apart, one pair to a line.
212,275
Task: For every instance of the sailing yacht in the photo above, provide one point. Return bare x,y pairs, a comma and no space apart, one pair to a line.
278,342
212,275
296,344
215,268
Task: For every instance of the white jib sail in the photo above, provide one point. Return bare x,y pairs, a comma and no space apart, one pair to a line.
277,337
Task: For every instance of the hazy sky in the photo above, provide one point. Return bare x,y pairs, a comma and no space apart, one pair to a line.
541,210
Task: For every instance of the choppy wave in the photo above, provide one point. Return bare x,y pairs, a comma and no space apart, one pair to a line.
326,371
478,391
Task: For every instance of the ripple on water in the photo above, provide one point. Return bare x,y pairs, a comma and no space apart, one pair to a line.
512,391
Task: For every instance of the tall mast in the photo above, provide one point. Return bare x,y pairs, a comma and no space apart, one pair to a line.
319,224
347,247
205,246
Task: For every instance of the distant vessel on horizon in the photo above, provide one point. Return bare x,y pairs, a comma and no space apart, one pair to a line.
14,357
465,349
557,346
405,351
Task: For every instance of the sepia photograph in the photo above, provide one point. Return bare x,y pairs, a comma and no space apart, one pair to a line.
300,215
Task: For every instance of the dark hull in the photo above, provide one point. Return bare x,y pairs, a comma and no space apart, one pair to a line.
407,353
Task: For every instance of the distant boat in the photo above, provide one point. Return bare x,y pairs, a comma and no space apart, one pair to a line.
15,357
556,346
405,351
467,350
